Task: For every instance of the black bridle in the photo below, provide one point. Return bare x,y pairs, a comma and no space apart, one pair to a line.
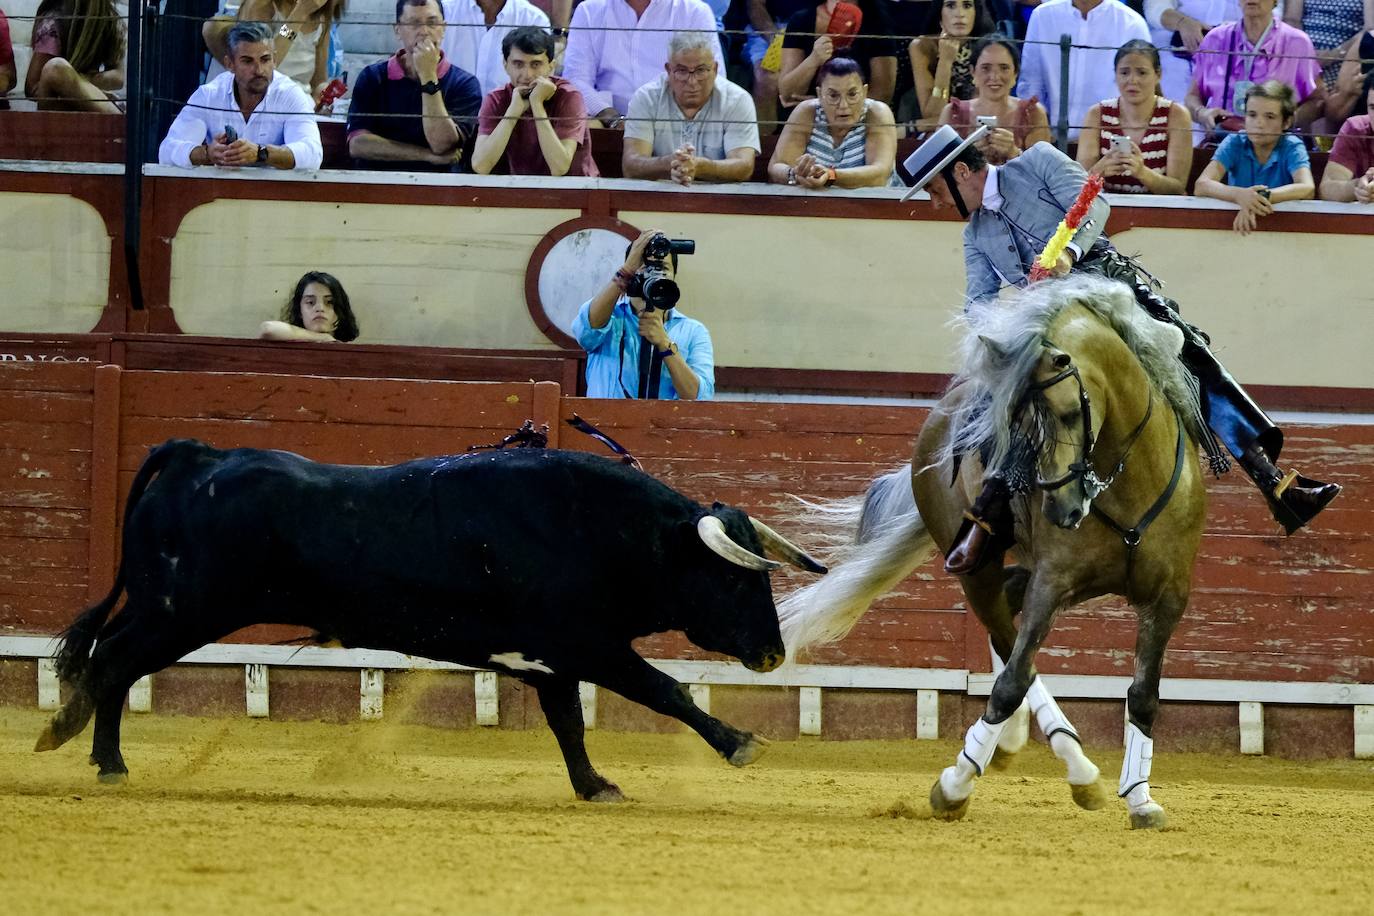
1093,485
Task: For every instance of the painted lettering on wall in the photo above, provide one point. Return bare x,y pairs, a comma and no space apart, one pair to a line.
42,358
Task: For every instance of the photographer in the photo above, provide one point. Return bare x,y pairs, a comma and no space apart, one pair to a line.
630,343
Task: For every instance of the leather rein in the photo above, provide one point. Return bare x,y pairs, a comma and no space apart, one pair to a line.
1095,485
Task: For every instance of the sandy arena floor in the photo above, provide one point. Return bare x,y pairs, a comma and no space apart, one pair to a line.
236,815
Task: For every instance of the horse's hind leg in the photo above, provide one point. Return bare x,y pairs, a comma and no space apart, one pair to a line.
1142,703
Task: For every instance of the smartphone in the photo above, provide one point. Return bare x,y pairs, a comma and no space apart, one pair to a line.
1263,192
1121,145
230,135
987,120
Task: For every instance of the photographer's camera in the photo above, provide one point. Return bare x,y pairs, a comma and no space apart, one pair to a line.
652,282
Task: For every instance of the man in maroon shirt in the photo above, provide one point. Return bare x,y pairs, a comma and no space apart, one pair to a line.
537,123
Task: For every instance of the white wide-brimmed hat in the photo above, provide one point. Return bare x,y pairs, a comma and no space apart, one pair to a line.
936,154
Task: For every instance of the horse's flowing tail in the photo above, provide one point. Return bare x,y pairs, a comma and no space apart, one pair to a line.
878,538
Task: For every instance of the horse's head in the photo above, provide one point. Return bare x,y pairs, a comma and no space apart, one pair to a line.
1061,408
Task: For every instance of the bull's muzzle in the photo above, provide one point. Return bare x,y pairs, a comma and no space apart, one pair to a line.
769,662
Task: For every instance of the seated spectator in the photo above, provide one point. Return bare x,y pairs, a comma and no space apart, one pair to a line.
1334,26
1139,142
282,134
1095,27
678,363
1350,169
318,310
301,39
858,30
1263,166
1358,63
475,32
691,124
78,56
840,139
536,124
616,46
1021,123
413,111
1176,28
942,60
8,74
1235,56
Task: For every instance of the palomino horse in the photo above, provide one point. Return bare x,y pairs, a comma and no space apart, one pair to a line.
1088,390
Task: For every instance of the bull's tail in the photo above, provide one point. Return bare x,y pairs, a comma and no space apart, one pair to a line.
886,540
74,651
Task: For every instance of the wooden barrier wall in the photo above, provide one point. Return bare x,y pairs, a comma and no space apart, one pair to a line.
1264,607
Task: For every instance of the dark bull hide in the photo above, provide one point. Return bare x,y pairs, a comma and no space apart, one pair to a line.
544,564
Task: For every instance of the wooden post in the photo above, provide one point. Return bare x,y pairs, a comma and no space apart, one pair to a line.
1251,728
587,693
488,698
927,714
255,690
141,695
49,688
809,702
370,691
102,548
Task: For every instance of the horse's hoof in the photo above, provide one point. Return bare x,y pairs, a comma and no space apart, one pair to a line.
609,795
113,779
1148,816
749,751
47,741
1090,797
1001,759
941,808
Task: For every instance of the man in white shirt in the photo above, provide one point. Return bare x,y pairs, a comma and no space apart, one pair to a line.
221,125
691,124
1097,28
474,30
616,46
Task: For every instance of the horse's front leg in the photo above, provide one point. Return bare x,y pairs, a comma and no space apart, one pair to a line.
1016,684
1142,703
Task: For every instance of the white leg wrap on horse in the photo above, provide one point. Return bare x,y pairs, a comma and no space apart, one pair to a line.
1017,732
1061,734
979,743
1135,768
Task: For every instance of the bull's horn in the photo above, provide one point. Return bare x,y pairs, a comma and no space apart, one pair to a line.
781,547
713,535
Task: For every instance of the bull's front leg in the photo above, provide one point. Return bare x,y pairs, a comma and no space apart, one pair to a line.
563,709
637,680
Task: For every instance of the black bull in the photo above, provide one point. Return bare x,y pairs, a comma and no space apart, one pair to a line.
545,563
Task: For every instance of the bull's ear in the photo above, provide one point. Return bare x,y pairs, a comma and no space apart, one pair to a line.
994,348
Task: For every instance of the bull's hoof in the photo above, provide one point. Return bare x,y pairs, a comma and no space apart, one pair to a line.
609,795
1089,797
942,809
114,778
749,751
1148,816
48,741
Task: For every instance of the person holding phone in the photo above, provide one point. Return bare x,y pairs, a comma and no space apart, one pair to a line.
249,116
1139,142
1263,166
1013,124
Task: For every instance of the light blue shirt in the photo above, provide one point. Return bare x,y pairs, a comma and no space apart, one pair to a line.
609,366
1237,155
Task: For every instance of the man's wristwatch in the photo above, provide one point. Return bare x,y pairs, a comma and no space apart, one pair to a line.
287,32
672,349
429,88
262,154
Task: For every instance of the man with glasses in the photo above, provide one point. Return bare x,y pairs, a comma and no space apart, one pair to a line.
691,124
616,46
414,111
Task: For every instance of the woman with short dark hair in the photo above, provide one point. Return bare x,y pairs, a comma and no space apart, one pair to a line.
841,138
318,310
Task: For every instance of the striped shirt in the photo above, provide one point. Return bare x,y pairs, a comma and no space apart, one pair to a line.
1154,146
849,153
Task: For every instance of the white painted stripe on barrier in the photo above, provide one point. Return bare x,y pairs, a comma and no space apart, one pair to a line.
927,714
587,694
1251,728
141,695
809,710
488,698
371,693
1364,732
701,696
255,690
49,688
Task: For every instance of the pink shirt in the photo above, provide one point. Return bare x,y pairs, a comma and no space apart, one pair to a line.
1354,146
1226,58
567,114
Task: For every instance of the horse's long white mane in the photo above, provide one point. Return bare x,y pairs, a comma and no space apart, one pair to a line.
1002,342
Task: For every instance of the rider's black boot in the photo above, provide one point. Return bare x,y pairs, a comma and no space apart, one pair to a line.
1293,499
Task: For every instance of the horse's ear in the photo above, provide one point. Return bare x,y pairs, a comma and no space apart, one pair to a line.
994,348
